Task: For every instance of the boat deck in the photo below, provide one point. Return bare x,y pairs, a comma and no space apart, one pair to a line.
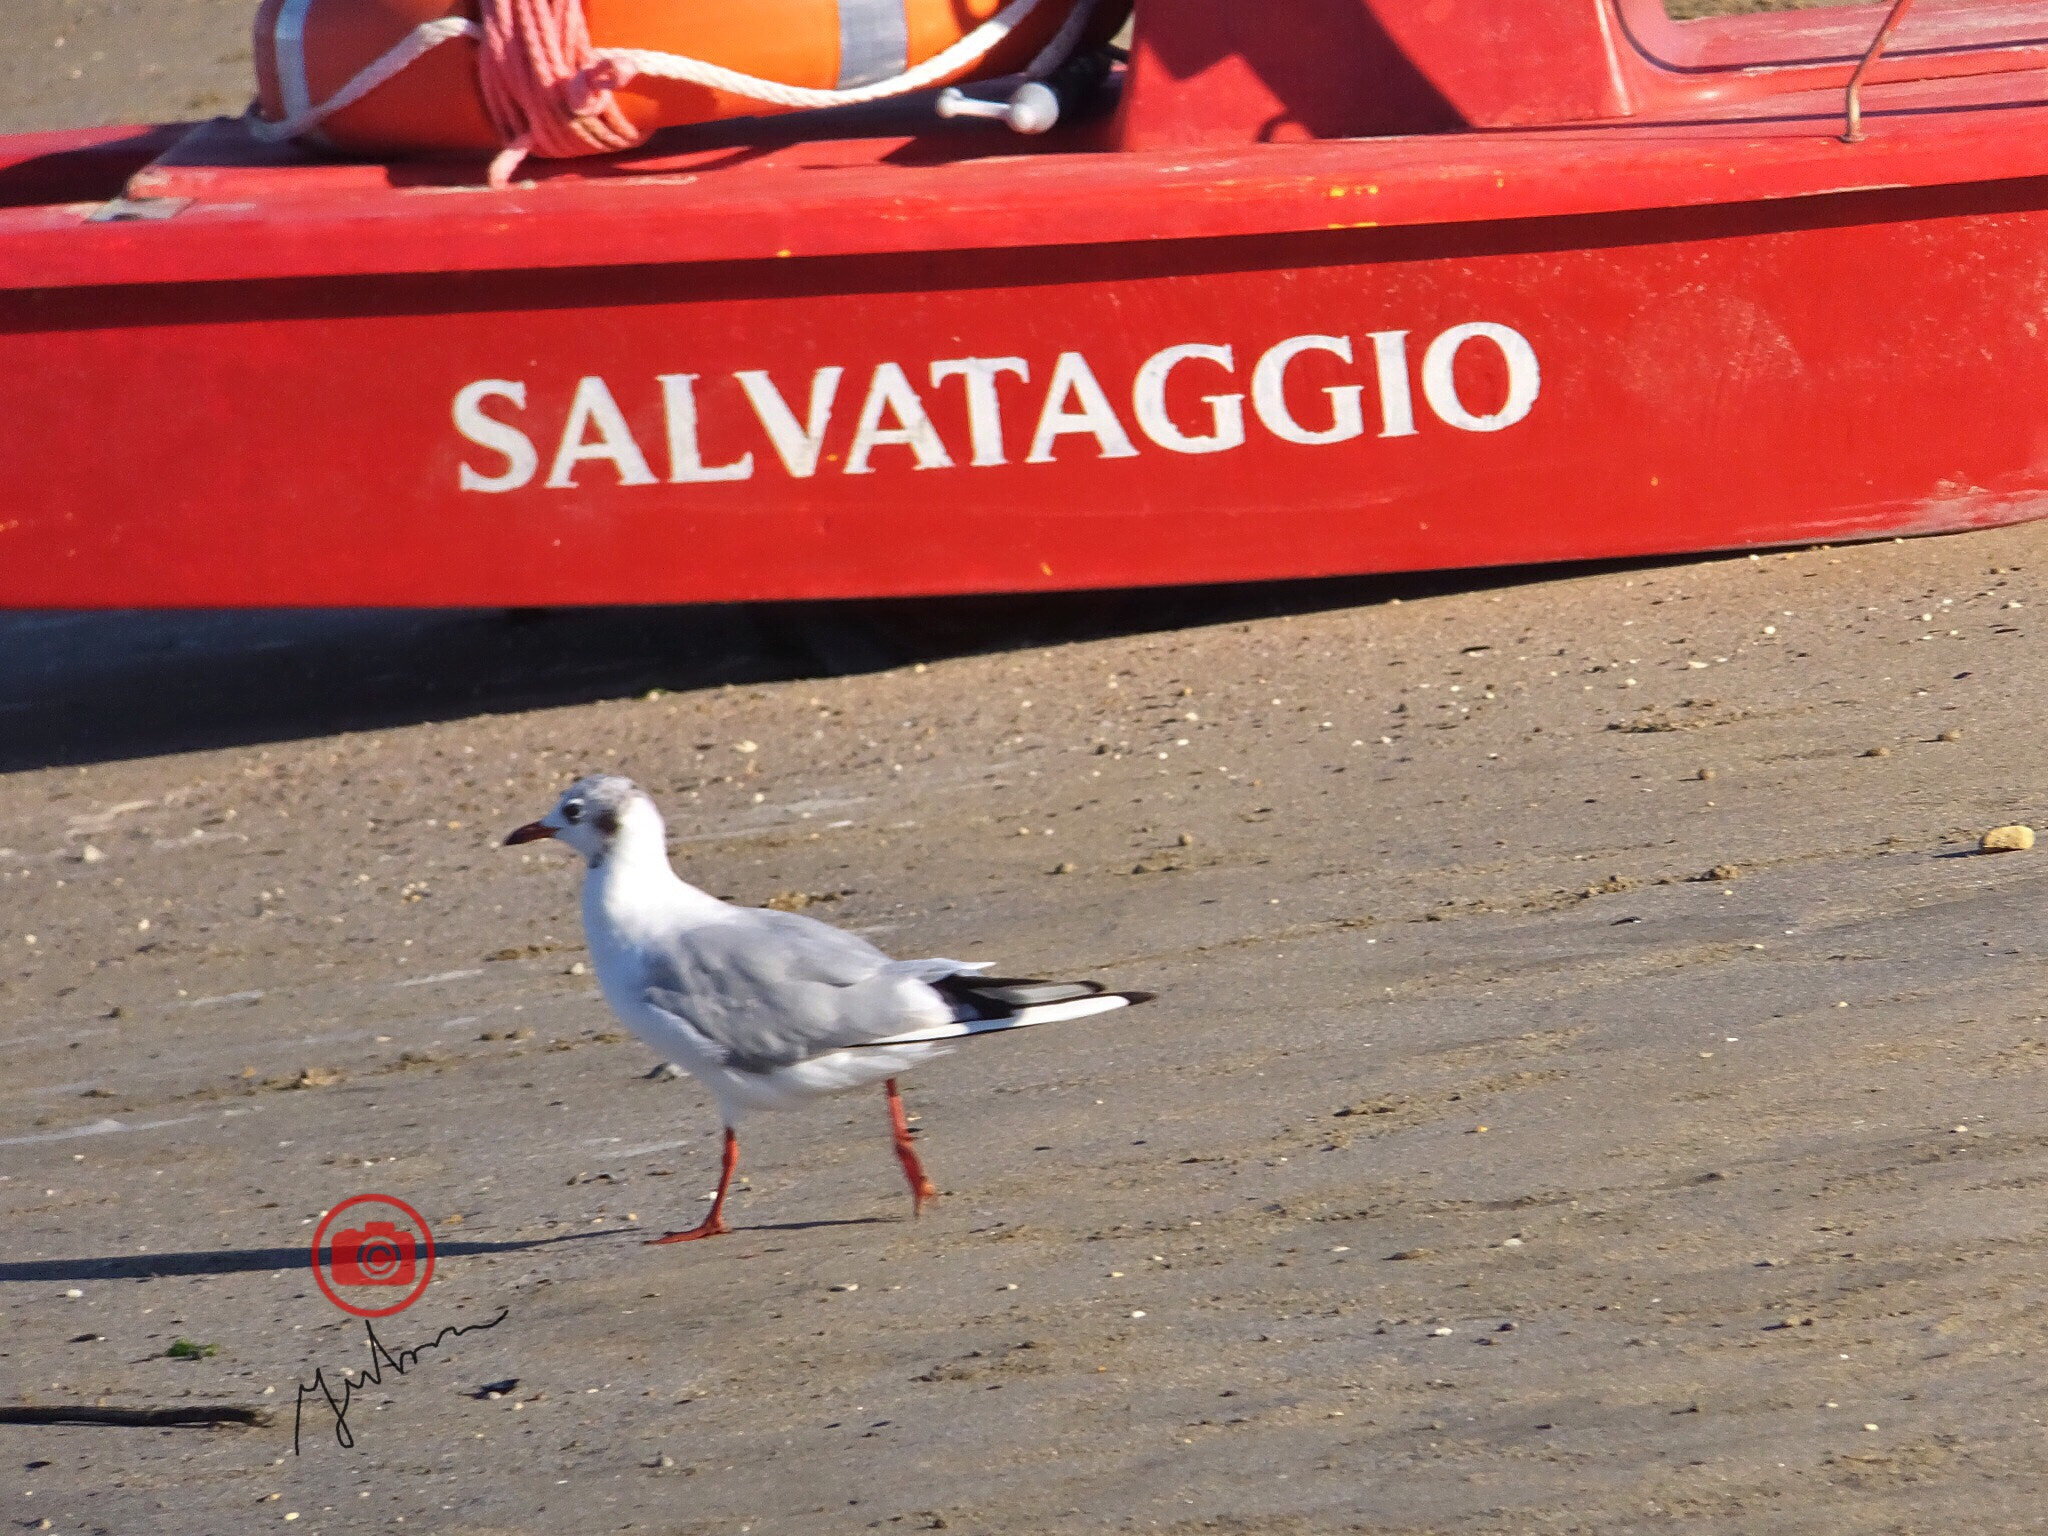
203,204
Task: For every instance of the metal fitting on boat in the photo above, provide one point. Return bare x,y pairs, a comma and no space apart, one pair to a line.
1032,108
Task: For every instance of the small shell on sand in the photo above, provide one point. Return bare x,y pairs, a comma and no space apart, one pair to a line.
2015,839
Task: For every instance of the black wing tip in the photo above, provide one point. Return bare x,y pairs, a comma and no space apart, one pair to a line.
999,997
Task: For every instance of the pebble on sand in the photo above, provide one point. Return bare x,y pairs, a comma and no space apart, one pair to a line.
1877,752
2013,839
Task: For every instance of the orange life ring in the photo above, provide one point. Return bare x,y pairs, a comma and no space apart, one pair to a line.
307,50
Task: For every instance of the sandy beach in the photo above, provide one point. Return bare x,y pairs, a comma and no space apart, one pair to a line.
1594,970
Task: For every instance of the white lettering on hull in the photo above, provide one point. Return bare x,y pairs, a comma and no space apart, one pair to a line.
594,406
1440,384
1269,394
486,431
984,401
685,452
892,392
894,415
1148,403
1073,379
797,446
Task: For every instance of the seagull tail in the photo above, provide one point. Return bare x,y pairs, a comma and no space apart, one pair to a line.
991,1005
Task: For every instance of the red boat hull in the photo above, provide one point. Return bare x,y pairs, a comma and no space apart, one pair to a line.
1723,380
850,376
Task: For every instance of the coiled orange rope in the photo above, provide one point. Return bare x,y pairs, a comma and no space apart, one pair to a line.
543,86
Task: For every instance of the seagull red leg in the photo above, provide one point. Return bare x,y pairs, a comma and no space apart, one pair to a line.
921,1188
713,1224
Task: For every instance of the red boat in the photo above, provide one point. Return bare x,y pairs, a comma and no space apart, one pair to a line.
1330,286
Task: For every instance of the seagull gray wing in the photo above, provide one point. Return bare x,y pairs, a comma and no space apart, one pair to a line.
770,989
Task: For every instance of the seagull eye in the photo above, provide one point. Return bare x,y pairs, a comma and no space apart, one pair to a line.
573,812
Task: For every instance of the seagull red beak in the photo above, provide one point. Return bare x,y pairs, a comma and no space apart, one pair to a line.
532,832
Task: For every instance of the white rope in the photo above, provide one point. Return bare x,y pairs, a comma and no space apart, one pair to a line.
409,50
628,62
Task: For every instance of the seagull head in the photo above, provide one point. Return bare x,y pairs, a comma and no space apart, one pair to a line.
594,815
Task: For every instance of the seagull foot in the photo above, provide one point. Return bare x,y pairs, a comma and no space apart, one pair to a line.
711,1226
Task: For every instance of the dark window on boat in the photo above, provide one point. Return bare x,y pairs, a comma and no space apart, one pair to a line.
1689,10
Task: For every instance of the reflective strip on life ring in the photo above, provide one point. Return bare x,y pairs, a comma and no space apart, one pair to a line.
290,36
874,41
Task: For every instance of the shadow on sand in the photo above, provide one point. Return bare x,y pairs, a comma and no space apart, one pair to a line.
95,687
241,1261
246,1261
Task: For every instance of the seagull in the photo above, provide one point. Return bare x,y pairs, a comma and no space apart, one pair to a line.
768,1009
